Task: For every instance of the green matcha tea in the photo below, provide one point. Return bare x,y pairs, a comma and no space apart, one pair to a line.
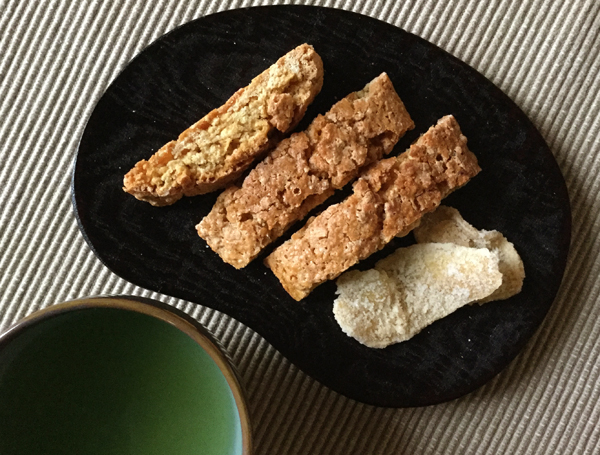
109,381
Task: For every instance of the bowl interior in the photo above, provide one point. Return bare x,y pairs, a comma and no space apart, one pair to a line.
106,380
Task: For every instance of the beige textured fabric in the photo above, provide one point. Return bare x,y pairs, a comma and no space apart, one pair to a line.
56,59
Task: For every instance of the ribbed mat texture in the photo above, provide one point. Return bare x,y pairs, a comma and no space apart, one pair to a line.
57,58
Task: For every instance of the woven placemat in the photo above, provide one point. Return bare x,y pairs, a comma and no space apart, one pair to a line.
57,58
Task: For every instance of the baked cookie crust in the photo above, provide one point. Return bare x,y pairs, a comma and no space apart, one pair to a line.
304,170
219,147
389,200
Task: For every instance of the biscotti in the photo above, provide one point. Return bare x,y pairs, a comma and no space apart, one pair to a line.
219,147
304,170
446,225
412,288
388,200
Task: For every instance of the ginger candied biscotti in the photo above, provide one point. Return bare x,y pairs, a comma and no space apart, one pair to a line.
219,147
453,264
388,201
446,225
412,288
304,170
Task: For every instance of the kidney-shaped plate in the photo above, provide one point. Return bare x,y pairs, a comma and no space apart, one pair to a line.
196,67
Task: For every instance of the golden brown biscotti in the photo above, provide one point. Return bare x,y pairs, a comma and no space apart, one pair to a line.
304,170
388,200
219,147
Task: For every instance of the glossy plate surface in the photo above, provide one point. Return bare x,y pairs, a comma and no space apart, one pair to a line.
195,68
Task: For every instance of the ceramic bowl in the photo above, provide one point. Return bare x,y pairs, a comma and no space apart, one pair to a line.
118,375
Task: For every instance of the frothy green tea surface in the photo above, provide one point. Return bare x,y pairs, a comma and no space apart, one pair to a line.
108,381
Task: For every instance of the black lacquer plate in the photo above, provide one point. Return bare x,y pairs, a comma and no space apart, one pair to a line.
196,67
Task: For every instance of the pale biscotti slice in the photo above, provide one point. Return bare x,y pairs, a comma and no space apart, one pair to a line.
412,288
219,147
446,225
304,170
388,201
